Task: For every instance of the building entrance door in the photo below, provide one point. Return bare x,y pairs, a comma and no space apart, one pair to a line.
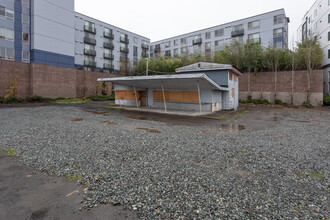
143,98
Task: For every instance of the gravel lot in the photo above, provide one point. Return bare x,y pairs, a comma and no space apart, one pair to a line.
180,171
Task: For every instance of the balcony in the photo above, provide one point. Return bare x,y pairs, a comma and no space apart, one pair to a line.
197,41
90,52
145,46
236,33
108,66
108,45
108,35
108,56
254,40
89,40
124,40
90,29
123,59
89,63
124,49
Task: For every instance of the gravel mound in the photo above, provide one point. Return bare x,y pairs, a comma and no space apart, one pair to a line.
167,171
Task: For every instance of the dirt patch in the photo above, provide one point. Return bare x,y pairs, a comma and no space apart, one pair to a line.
108,123
150,130
77,119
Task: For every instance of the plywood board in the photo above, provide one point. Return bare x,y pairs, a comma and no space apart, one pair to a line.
177,96
125,95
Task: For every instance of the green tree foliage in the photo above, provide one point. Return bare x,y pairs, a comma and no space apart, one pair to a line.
246,57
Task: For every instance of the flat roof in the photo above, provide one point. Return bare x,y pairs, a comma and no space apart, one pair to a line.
207,66
175,82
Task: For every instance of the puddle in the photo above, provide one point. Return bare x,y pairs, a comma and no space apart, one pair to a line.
231,128
150,130
108,123
77,119
137,118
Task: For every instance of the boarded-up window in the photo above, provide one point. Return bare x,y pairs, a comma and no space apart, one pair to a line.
177,96
125,95
233,92
235,76
230,75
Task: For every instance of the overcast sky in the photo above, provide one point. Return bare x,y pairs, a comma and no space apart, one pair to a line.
158,20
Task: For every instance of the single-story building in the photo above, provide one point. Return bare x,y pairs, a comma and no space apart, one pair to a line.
204,87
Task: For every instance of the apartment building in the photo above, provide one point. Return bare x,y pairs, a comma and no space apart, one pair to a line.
101,46
51,32
268,29
316,24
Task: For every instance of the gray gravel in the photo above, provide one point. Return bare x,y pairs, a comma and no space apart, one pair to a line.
280,172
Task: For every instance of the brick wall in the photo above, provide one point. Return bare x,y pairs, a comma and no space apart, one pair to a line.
49,81
263,85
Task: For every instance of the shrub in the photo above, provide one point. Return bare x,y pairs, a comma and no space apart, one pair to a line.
279,102
100,98
307,105
249,99
2,99
13,99
326,99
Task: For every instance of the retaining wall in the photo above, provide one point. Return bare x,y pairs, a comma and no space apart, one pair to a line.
291,88
50,81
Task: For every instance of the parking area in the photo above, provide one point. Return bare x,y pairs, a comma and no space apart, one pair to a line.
259,162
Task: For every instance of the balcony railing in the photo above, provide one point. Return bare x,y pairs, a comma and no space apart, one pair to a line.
197,41
236,33
254,41
108,66
89,40
124,40
124,49
108,35
89,63
108,45
90,52
108,56
276,35
90,29
145,46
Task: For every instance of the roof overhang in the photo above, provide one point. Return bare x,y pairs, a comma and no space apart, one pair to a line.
175,82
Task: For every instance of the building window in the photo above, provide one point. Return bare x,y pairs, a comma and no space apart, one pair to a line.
309,19
176,52
25,19
26,3
108,33
7,53
6,34
328,54
315,26
6,13
207,35
278,32
135,39
329,82
329,17
197,49
167,53
315,13
90,27
254,25
26,56
184,51
278,19
219,45
25,38
183,40
175,42
219,33
329,36
278,45
238,38
208,46
254,38
168,44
